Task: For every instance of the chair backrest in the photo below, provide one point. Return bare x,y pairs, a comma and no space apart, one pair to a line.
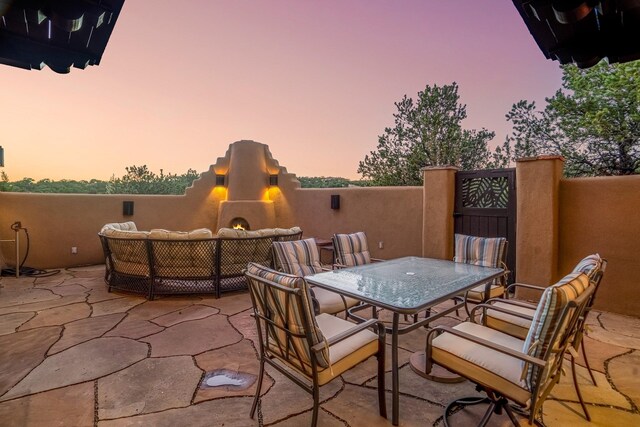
482,251
589,265
297,257
283,310
554,325
351,249
594,267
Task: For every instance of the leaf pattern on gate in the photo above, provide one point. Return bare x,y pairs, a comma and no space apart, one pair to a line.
485,192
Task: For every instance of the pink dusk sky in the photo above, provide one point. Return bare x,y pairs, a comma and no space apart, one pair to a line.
314,80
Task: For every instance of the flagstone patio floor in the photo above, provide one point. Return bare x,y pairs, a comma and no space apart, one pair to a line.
73,354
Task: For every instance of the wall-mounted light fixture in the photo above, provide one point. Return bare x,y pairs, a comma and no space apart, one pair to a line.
220,180
335,201
127,208
273,180
1,157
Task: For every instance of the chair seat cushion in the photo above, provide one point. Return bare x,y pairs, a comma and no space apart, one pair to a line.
478,293
332,326
331,302
347,353
513,325
343,355
482,365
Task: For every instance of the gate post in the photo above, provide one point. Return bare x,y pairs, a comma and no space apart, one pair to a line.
437,208
538,188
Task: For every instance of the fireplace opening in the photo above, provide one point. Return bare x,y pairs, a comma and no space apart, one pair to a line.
240,224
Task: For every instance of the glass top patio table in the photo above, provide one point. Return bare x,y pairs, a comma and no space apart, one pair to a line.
405,285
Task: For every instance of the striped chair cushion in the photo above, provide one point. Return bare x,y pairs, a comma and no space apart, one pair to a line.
482,251
286,313
589,265
298,257
351,249
545,321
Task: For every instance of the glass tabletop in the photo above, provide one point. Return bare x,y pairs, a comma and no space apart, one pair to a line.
405,285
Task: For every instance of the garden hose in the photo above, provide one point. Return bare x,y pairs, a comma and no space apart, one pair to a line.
26,271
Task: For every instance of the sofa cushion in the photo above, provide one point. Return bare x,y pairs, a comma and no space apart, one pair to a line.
161,234
130,255
263,232
232,233
236,253
124,226
125,234
183,253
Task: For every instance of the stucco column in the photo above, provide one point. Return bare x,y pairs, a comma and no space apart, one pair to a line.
247,177
247,187
437,207
538,190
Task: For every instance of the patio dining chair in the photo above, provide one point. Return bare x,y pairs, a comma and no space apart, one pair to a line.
508,369
485,252
301,258
514,317
351,250
310,350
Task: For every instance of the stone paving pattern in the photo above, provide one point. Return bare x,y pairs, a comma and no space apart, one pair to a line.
74,354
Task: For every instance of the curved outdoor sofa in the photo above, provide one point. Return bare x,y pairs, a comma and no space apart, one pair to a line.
161,262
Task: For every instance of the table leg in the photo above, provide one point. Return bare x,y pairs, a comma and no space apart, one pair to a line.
395,383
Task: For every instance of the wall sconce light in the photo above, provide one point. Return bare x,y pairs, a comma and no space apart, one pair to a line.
273,180
335,201
127,208
220,180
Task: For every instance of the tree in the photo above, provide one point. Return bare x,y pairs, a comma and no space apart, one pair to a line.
593,121
427,132
5,185
140,180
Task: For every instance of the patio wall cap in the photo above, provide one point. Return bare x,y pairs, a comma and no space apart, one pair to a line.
541,157
432,168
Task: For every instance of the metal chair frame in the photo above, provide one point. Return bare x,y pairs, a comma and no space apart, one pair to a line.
268,329
577,342
571,313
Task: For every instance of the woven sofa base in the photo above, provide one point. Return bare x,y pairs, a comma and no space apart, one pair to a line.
152,267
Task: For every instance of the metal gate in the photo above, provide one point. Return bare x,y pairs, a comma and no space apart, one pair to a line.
485,206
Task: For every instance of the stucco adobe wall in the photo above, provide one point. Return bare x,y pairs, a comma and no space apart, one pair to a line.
602,215
56,222
392,215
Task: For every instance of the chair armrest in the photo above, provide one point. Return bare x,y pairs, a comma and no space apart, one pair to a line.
480,341
524,285
516,302
350,332
500,309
